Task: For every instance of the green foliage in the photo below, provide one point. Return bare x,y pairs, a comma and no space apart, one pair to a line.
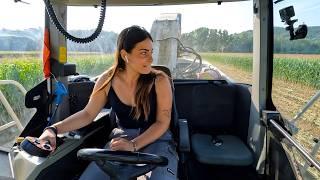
32,40
306,71
213,40
91,65
27,70
202,39
242,62
293,69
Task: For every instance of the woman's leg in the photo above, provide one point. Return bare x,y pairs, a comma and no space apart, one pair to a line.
162,147
166,149
93,171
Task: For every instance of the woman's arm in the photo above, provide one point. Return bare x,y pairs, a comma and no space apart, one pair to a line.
163,117
81,118
162,123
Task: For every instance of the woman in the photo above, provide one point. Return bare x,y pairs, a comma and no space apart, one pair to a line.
141,98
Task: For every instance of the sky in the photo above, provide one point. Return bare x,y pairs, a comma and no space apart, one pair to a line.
234,17
22,16
305,11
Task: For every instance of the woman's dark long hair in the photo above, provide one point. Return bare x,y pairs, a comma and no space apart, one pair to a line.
127,40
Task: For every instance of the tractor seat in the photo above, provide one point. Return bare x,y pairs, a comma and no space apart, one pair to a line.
220,150
217,113
216,141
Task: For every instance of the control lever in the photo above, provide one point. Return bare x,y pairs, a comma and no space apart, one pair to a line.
59,92
36,147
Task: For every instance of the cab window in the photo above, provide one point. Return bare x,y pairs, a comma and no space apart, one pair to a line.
207,44
296,77
20,63
198,45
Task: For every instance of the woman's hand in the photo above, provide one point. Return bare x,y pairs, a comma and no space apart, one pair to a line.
121,144
49,135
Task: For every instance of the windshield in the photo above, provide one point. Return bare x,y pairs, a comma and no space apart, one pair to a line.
199,45
199,41
296,74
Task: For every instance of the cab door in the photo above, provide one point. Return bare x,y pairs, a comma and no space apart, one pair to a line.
294,125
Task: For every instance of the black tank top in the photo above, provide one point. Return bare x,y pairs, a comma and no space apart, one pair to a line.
125,115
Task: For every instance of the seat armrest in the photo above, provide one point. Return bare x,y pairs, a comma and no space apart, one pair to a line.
184,140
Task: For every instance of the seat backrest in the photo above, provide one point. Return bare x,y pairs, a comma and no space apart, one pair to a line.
242,110
215,107
79,94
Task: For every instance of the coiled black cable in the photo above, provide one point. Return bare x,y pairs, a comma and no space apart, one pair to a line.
58,25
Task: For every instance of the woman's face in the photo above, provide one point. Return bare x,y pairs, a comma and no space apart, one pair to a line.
140,58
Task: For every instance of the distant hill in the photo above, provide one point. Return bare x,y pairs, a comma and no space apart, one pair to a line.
20,40
106,42
309,45
202,39
313,33
32,40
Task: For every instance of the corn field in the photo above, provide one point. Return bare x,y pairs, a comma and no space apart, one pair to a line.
27,70
302,69
296,79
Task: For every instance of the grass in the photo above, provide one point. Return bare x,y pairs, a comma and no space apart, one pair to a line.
91,65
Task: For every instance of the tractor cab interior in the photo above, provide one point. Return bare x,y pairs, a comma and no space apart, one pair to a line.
224,122
210,130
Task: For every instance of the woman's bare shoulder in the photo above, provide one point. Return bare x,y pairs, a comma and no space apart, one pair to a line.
163,89
103,78
161,79
160,75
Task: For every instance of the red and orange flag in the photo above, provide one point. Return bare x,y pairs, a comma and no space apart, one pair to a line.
46,53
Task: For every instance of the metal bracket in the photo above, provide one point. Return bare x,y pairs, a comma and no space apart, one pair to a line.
292,124
313,153
267,115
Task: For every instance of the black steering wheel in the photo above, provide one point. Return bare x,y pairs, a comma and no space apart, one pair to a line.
122,164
